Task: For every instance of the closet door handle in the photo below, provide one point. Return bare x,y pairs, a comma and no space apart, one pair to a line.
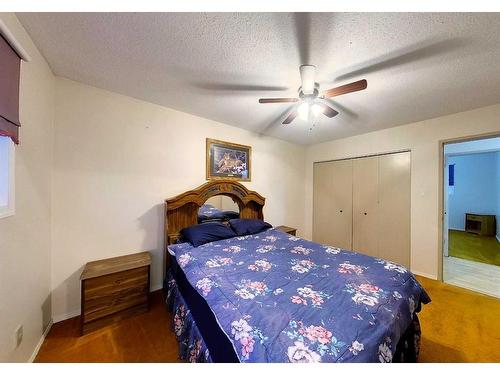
341,211
365,213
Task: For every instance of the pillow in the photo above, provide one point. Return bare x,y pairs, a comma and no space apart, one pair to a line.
201,234
248,226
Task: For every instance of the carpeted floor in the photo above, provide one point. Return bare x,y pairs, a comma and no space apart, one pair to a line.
458,326
473,247
143,338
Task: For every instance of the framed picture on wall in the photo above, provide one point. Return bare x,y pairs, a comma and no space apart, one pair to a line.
227,160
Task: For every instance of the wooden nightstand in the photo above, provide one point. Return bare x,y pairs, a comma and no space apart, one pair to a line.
114,289
289,230
484,225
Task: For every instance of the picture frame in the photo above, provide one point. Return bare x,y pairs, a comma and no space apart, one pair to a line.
228,161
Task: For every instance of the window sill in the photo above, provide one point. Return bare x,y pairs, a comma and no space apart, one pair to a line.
6,212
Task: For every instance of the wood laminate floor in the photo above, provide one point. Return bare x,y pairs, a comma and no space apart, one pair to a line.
476,276
469,246
458,326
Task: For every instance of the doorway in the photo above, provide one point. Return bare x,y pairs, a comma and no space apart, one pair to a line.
471,220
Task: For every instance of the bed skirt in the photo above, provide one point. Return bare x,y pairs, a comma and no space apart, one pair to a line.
192,347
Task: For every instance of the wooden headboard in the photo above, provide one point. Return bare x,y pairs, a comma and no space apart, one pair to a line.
182,211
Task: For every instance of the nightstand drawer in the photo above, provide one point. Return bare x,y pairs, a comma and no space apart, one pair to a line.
474,217
113,303
116,281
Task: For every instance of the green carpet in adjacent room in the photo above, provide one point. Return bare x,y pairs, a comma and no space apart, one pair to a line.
473,247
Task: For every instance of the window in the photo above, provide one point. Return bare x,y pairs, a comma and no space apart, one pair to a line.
11,54
6,177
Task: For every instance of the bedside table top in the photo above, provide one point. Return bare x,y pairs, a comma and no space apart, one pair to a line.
116,264
284,228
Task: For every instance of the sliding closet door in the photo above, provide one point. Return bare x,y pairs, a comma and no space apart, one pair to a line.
332,218
341,197
394,208
322,204
365,202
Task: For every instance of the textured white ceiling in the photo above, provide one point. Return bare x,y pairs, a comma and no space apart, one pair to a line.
217,65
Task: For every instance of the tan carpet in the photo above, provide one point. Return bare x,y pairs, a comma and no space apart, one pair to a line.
459,325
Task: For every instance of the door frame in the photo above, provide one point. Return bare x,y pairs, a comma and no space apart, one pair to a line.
442,166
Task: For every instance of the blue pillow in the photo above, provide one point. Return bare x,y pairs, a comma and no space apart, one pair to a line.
243,227
200,234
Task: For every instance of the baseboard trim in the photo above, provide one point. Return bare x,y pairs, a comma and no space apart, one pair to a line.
40,342
154,288
68,315
498,238
429,276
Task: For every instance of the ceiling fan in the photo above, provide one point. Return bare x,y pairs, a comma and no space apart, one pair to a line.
311,101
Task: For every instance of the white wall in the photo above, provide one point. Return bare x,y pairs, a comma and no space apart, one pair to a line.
476,187
422,139
25,237
116,159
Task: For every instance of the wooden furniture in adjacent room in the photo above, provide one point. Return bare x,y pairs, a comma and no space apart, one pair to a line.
289,230
484,225
363,204
113,289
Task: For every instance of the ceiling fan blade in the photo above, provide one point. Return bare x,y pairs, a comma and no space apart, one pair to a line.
307,73
290,117
278,100
346,89
407,55
302,31
236,88
328,111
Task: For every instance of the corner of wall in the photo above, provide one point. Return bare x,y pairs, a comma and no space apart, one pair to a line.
27,233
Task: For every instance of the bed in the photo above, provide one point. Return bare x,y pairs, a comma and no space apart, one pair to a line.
273,297
209,213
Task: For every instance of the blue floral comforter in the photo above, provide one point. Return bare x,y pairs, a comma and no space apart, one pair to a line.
280,298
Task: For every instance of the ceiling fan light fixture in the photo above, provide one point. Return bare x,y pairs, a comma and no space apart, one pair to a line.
310,100
317,109
303,111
